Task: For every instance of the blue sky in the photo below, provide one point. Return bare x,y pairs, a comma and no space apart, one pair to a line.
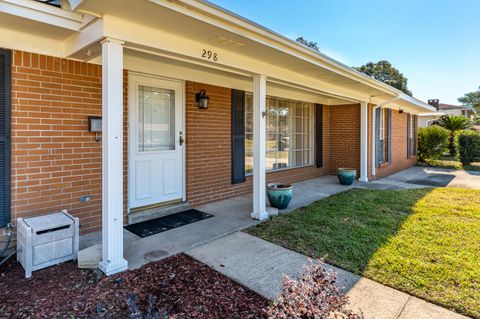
434,43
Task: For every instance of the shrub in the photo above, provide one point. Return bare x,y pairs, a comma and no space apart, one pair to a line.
454,123
469,147
432,142
314,296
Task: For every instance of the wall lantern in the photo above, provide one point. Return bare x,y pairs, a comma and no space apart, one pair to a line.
202,99
95,126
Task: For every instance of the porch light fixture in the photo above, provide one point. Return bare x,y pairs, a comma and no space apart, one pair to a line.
400,110
95,126
202,99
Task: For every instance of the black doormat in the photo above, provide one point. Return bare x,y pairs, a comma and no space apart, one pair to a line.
161,224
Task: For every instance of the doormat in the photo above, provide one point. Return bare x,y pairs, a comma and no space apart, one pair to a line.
161,224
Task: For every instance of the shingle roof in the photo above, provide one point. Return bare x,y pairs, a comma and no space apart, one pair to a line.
443,106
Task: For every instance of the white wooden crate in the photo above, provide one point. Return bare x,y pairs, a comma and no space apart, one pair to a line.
46,240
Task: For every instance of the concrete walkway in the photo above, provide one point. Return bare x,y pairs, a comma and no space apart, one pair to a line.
230,215
259,265
436,177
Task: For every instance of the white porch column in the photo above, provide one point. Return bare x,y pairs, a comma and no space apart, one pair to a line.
259,140
363,142
112,158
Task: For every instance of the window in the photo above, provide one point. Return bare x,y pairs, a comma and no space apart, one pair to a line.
156,119
289,136
382,124
411,127
412,134
381,143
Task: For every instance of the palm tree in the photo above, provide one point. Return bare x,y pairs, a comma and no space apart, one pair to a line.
453,123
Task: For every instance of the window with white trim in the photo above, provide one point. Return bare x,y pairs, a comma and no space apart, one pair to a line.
381,143
411,127
382,124
289,136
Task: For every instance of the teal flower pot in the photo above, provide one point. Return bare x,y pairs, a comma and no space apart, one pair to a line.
346,176
279,195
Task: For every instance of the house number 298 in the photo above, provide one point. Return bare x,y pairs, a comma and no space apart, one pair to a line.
209,55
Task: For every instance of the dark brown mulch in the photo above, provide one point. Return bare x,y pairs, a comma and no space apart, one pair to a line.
182,286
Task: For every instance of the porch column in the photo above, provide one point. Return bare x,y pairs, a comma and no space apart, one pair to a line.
112,158
363,142
259,140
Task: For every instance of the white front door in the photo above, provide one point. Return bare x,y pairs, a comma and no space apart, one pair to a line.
155,140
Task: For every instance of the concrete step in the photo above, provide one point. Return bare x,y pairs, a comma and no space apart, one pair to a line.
152,213
90,257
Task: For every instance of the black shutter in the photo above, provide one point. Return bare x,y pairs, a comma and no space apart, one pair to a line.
319,134
409,140
415,133
5,118
238,136
389,129
377,136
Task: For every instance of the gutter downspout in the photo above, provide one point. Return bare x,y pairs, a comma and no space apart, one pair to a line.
373,128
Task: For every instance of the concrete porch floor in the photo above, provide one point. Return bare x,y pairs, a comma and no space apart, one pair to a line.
230,215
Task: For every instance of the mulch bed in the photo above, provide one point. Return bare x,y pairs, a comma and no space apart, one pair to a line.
180,285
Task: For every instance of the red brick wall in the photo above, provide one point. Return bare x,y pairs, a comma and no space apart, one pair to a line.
55,160
399,148
344,137
208,150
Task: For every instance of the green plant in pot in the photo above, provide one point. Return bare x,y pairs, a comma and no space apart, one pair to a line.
279,195
346,176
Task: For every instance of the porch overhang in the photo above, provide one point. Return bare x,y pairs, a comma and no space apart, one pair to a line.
183,28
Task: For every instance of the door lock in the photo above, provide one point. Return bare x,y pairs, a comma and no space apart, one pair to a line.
181,140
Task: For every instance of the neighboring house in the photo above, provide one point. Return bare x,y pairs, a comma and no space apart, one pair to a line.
427,119
277,111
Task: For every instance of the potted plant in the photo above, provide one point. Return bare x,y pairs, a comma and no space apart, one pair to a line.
279,195
346,176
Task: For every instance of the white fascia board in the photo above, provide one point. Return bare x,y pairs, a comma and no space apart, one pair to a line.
176,47
432,114
42,12
424,106
91,34
222,18
227,20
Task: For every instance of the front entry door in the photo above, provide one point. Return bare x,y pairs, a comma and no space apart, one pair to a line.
155,140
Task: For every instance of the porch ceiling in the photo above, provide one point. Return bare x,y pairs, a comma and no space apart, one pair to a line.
153,15
149,63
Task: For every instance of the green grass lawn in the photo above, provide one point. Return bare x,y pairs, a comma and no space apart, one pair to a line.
425,242
450,162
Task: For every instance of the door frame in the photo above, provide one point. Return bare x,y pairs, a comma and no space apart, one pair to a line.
131,138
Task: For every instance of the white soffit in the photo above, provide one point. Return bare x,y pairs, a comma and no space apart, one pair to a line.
215,27
44,13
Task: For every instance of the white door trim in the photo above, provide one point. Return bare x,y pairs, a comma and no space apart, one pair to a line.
132,76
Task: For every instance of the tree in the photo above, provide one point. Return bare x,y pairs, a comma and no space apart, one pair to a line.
453,123
310,44
384,71
472,101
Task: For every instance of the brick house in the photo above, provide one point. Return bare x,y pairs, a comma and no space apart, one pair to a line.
441,109
277,111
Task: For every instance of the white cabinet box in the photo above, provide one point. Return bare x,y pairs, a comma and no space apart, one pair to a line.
46,240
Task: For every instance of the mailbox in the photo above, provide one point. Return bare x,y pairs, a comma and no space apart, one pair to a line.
46,240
